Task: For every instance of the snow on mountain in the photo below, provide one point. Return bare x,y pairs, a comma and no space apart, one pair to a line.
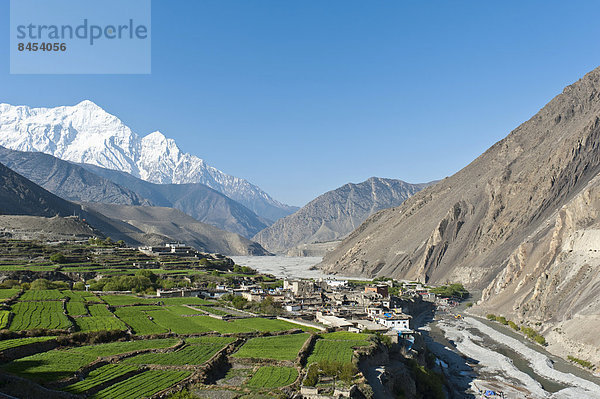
85,133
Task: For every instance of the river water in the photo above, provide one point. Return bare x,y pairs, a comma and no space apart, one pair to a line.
285,266
482,355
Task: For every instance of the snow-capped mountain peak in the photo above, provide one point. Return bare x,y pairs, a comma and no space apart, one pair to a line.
86,133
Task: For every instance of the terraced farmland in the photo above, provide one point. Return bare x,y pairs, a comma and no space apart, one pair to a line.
191,354
99,323
142,385
76,308
13,343
334,350
281,347
273,377
7,293
4,319
42,295
57,364
31,315
100,376
139,321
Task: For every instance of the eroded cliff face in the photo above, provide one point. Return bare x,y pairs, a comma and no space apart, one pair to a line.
468,225
553,278
521,222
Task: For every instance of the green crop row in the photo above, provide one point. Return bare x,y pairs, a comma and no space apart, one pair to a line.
31,315
143,385
281,347
191,354
41,295
99,376
273,377
13,343
58,364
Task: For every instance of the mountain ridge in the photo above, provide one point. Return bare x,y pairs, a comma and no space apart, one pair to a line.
334,214
85,133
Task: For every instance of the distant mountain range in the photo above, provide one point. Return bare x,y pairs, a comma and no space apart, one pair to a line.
149,225
85,133
336,213
88,183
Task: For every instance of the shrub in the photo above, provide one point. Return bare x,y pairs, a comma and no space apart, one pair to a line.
58,258
513,325
581,362
491,317
502,320
312,376
540,340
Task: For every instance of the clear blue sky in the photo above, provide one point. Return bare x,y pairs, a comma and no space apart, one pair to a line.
300,97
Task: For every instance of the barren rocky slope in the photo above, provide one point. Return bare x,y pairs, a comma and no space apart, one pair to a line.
336,213
177,226
195,199
519,222
67,180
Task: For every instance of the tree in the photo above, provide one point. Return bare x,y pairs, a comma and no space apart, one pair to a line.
239,302
58,258
41,284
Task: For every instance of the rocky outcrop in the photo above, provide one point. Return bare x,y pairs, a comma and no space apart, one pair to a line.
335,214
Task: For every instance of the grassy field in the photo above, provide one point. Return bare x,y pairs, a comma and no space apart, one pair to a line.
273,377
30,315
42,295
99,323
196,324
282,347
4,319
76,308
137,319
99,376
57,364
121,300
337,346
142,385
13,343
191,354
8,293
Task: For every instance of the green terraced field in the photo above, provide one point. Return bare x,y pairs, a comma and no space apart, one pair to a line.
99,376
121,300
282,347
182,310
346,336
191,354
142,385
339,351
99,323
138,320
98,310
196,324
210,340
76,308
42,295
4,319
7,293
58,364
273,377
30,315
13,343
